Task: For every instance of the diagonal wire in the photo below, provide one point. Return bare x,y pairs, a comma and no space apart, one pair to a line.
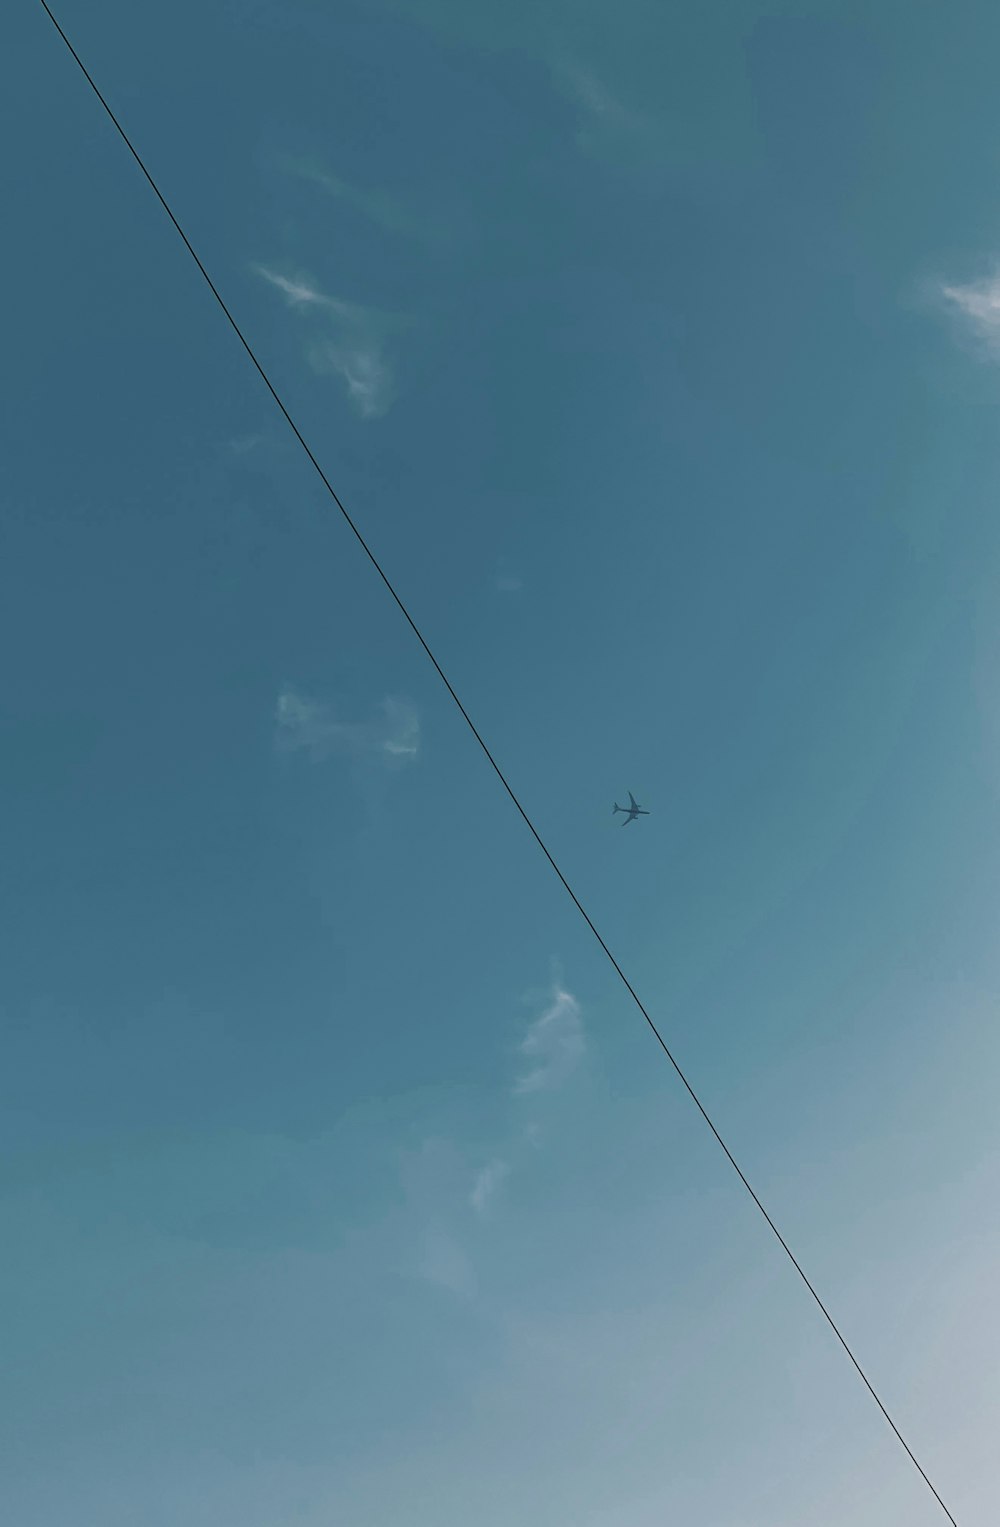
491,760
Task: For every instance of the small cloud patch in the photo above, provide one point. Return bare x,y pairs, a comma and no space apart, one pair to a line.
387,211
445,1264
977,306
346,340
310,726
488,1182
554,1045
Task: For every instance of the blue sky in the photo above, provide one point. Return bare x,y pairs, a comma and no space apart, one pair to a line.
656,350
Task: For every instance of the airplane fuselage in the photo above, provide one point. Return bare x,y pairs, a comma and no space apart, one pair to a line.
631,811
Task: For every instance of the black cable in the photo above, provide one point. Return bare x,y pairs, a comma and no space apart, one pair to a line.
492,761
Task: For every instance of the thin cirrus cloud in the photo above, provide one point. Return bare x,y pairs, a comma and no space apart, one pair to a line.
506,579
310,726
444,1193
386,211
977,304
606,123
591,93
486,1185
553,1046
444,1263
344,340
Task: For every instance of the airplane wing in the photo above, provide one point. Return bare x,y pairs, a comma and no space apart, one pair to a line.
633,801
627,821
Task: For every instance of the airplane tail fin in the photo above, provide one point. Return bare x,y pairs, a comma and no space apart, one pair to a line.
617,808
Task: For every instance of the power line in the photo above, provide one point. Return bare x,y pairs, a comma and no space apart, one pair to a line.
491,760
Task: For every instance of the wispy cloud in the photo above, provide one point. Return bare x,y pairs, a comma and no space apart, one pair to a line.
446,1189
346,340
506,580
306,725
605,119
978,306
445,1263
554,1045
488,1181
592,93
242,445
385,210
402,722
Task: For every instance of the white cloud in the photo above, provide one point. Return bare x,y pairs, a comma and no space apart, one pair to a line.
445,1264
606,119
978,303
363,370
506,578
554,1044
350,344
305,725
488,1181
387,211
242,445
591,93
401,735
443,1184
299,293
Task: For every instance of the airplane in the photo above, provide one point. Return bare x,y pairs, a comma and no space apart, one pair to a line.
631,811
